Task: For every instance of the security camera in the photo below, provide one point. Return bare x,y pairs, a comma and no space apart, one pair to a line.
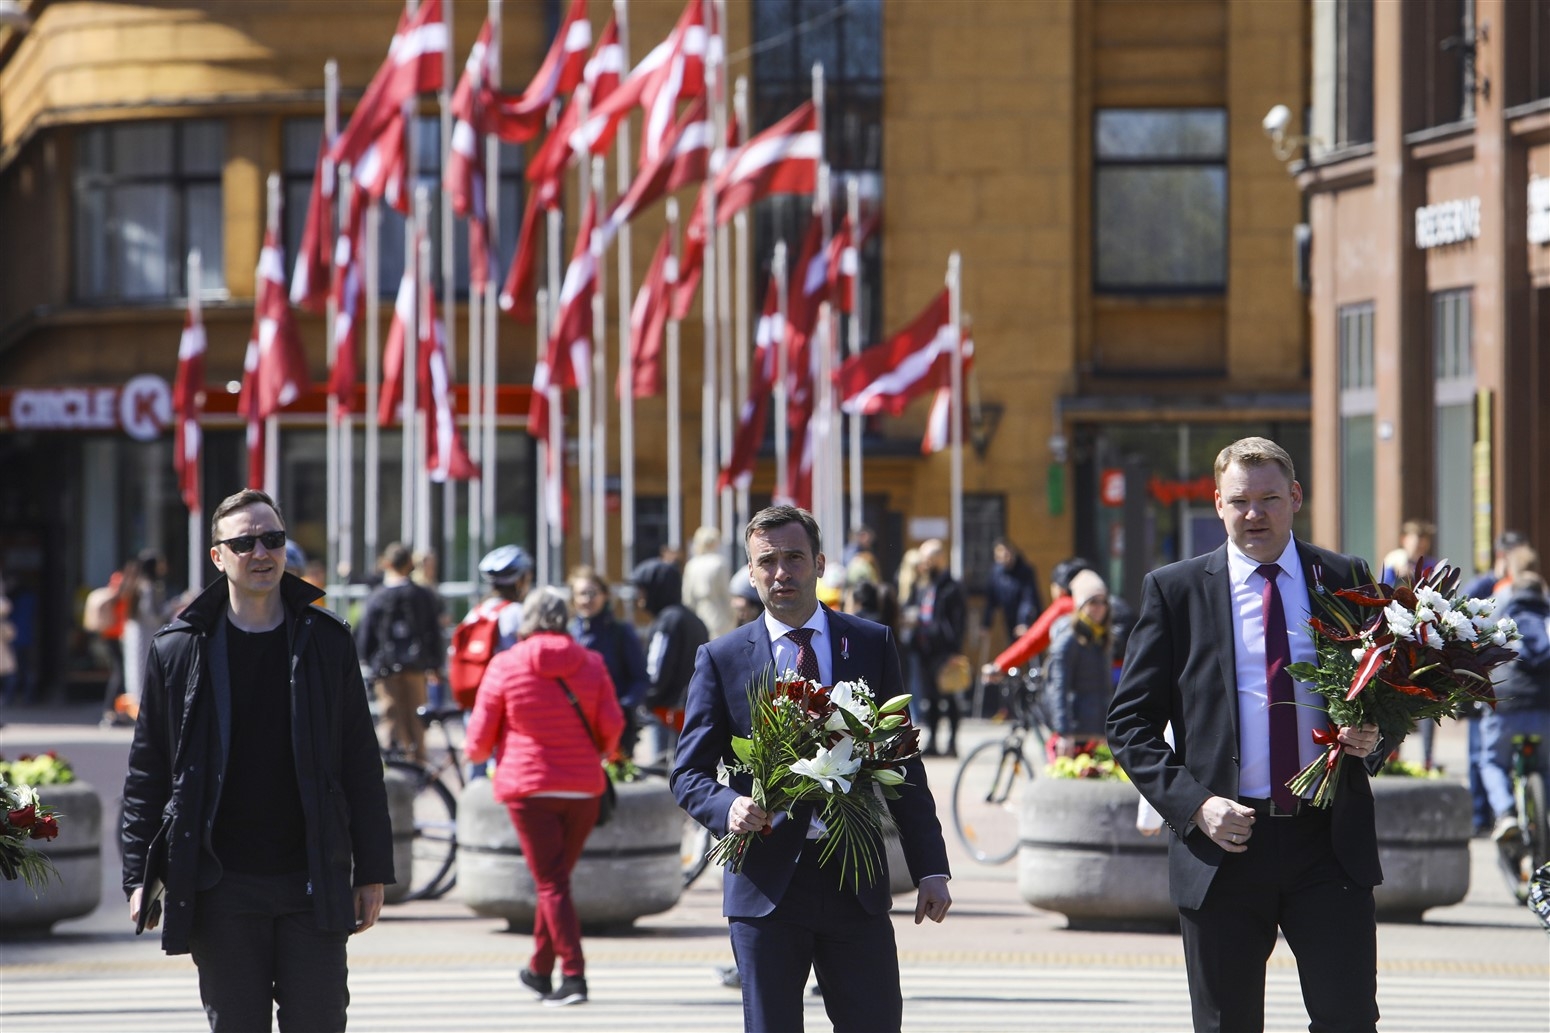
1276,120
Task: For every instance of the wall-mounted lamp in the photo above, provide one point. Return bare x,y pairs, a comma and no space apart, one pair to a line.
1276,122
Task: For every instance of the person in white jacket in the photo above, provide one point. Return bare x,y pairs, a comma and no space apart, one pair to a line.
706,583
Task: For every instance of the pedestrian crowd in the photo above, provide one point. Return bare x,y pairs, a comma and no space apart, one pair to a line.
254,815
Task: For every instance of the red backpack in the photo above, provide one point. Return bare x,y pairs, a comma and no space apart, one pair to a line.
474,644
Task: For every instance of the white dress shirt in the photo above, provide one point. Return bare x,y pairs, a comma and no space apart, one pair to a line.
785,650
1248,621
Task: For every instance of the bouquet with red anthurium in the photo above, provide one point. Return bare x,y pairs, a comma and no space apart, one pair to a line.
834,747
1393,656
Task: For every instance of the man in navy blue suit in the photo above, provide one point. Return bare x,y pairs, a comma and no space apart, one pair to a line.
787,913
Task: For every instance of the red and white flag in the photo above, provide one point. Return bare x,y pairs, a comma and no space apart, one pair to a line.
883,379
349,294
691,264
516,297
684,161
781,160
445,455
310,279
413,66
275,367
380,172
518,118
465,175
939,422
188,395
843,263
762,374
648,324
567,361
602,74
393,352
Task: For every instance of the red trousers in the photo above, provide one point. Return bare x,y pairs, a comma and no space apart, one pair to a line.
553,831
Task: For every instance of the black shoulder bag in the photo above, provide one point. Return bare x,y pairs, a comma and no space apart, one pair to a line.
610,799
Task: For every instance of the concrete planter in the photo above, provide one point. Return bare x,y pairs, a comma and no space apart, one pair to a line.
1081,856
630,867
76,852
1423,844
400,801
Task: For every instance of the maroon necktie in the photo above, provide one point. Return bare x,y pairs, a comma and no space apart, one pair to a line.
807,660
1284,760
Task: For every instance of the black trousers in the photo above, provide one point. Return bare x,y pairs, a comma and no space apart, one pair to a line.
820,927
1287,879
257,944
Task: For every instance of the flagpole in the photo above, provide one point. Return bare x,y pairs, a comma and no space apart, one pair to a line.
344,560
599,388
407,377
782,373
740,295
675,503
714,56
196,545
272,422
955,410
541,307
626,365
820,445
448,291
372,481
582,98
481,496
709,450
337,485
422,331
853,213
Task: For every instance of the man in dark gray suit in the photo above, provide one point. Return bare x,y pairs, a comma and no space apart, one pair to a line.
1208,654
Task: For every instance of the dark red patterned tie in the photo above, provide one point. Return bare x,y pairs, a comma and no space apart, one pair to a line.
1284,762
807,660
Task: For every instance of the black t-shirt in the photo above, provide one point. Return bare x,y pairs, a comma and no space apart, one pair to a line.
259,828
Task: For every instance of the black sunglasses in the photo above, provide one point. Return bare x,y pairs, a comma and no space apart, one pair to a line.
244,543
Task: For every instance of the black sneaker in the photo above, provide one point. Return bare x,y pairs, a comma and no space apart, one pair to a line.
540,985
573,990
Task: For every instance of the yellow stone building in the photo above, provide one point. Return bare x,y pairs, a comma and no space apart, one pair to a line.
1129,245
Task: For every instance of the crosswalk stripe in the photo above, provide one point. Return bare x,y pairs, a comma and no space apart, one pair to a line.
686,996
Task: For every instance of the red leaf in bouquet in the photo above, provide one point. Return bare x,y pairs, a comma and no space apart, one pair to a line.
1367,669
46,828
1332,633
1377,596
23,817
1408,688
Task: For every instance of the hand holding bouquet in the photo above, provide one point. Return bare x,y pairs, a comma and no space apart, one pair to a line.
1393,656
828,747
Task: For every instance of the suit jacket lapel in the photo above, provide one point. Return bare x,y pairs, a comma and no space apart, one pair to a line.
840,662
1218,588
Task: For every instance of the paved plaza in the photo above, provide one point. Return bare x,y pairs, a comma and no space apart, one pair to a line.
996,964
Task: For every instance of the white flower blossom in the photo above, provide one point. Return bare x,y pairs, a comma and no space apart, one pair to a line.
1504,631
1359,653
1433,600
1400,620
1484,623
851,696
1480,607
1458,626
831,767
1427,635
1424,615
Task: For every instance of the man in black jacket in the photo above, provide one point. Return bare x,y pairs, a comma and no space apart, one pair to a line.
935,623
400,641
254,797
1209,655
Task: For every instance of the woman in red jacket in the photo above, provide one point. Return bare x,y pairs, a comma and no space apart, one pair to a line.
548,771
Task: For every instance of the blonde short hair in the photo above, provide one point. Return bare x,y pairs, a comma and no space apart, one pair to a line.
1254,452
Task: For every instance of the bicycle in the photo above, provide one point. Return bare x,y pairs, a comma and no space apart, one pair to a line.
434,850
989,785
1519,856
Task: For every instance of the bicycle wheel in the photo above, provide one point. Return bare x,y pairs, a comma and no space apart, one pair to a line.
434,850
987,799
694,850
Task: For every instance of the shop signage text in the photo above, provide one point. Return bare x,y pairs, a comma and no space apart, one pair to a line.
1447,222
141,408
1539,210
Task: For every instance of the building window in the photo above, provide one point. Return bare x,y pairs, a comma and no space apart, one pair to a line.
1528,52
845,36
300,157
145,194
1353,72
1160,200
1443,63
984,520
1358,407
1453,366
